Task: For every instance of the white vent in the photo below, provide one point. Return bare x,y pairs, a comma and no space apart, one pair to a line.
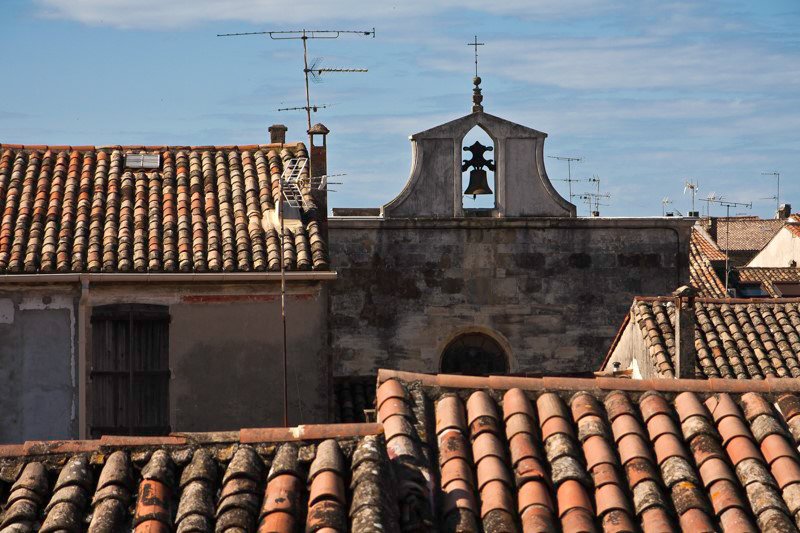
142,160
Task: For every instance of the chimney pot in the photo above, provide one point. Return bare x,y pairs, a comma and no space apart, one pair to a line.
277,134
784,211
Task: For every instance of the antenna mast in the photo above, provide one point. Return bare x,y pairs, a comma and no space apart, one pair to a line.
693,187
778,194
289,182
727,205
569,179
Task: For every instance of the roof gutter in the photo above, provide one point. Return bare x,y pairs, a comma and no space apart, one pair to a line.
161,277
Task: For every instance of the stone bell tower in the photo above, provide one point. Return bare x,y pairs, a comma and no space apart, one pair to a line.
436,186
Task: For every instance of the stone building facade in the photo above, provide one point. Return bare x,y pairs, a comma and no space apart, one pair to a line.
544,288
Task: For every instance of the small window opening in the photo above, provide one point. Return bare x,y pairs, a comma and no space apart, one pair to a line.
478,170
474,354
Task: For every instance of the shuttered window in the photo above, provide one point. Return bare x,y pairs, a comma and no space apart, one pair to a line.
129,375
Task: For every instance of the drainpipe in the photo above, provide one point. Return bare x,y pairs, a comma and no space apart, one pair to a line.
82,377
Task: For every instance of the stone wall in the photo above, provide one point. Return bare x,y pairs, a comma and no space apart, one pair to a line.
553,291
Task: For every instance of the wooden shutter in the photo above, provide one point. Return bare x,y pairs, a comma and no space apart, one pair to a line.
129,376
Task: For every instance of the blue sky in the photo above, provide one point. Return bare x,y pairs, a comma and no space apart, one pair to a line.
647,92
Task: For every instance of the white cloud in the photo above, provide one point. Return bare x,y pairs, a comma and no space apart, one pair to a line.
162,14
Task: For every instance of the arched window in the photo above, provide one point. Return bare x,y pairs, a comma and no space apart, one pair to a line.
478,170
474,354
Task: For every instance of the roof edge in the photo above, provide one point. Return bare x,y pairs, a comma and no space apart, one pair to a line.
146,148
310,432
713,385
710,300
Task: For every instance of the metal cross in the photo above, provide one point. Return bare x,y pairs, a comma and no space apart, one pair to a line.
476,44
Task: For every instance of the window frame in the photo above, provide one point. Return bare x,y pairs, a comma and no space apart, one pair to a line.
129,316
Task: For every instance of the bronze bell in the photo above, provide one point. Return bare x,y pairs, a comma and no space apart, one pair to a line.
477,183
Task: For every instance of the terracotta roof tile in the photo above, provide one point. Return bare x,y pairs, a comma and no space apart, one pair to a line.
768,277
746,234
734,338
701,271
205,209
622,460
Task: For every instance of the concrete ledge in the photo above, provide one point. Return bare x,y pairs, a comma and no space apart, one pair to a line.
527,222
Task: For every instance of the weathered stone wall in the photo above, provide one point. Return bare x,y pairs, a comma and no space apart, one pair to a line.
38,362
553,291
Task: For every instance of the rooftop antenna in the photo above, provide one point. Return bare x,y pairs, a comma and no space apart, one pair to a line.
664,203
693,187
593,201
314,71
727,205
569,179
291,182
710,199
778,193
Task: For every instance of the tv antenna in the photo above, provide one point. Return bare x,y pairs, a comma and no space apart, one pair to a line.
710,199
592,200
569,179
693,187
314,71
778,193
664,203
295,174
727,205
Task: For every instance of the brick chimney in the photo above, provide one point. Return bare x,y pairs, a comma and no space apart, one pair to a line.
784,211
277,134
319,142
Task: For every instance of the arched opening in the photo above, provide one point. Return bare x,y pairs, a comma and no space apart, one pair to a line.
478,170
474,354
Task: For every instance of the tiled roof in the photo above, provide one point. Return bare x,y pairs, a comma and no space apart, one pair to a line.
701,273
511,454
734,338
794,228
706,245
312,478
79,209
746,234
768,275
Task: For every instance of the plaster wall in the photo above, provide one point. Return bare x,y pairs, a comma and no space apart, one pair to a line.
553,290
783,248
225,355
38,364
631,353
226,352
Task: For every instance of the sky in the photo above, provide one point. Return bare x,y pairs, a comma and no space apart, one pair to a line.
648,93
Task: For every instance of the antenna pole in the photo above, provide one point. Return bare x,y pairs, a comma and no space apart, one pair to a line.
727,205
308,94
303,35
778,195
569,179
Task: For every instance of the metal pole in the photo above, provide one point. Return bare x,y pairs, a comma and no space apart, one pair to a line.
283,307
727,245
308,96
569,179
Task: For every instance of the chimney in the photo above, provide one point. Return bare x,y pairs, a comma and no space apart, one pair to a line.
319,142
784,211
277,134
685,351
